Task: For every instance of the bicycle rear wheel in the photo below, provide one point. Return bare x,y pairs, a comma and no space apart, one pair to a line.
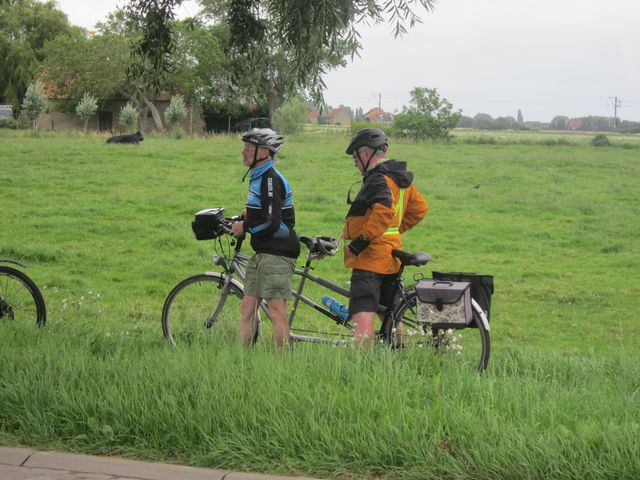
202,309
468,346
20,298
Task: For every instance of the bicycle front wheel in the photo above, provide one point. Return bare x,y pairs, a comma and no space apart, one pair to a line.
468,346
202,308
20,298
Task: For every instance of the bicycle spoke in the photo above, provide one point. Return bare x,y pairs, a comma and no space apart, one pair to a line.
20,299
198,310
468,346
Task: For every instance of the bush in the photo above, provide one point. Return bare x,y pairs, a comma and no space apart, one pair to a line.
600,141
34,102
86,108
129,118
7,123
357,126
175,114
291,116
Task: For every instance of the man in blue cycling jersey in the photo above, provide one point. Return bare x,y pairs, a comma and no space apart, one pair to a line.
269,219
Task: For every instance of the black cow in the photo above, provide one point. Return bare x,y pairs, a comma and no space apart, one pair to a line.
129,138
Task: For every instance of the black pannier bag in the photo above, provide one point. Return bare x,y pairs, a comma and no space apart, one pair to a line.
481,287
444,304
206,225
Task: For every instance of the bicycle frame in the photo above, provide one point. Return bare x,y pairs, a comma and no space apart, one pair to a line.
236,266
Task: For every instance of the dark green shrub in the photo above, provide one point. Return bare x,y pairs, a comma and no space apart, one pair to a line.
600,141
7,123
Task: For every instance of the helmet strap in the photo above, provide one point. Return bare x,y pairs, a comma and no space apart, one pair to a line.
366,167
254,162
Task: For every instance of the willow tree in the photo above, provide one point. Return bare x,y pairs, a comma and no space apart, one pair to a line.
304,38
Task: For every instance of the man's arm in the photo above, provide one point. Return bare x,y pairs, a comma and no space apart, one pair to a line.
266,220
417,208
379,217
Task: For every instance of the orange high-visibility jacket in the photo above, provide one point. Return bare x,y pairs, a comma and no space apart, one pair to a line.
378,215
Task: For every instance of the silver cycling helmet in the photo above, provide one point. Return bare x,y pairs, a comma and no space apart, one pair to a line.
264,137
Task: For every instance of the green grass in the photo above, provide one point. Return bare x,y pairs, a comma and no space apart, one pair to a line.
106,233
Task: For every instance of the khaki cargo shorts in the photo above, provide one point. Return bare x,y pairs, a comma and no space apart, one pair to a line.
269,276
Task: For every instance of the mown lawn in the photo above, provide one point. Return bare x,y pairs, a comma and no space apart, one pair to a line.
105,230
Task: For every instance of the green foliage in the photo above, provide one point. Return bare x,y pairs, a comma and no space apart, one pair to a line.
357,126
506,123
483,121
76,64
25,27
465,122
34,102
560,122
86,108
129,117
175,114
600,141
428,117
595,123
291,116
152,53
309,35
8,123
199,64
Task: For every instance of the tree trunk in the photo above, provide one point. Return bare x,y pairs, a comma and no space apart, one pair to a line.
275,97
157,119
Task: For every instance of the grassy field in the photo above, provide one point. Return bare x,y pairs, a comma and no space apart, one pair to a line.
105,230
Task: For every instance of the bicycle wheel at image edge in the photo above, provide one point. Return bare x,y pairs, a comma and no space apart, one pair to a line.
20,298
194,302
468,346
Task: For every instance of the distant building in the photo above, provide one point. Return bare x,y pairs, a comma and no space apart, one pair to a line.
313,115
574,123
340,116
377,115
6,111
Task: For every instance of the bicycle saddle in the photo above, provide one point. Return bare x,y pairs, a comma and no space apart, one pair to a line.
320,245
408,258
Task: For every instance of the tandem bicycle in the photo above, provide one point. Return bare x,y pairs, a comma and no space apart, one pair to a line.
207,304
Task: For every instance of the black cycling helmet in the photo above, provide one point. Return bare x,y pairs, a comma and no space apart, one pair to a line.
264,137
369,137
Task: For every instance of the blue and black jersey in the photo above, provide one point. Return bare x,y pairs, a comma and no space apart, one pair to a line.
270,214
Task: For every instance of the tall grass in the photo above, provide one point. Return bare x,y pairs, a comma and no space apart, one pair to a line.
321,411
105,230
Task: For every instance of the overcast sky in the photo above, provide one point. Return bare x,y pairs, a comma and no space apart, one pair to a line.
546,58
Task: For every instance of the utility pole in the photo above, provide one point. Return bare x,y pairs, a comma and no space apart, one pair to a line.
616,103
380,101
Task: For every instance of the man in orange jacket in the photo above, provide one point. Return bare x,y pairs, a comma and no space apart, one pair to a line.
387,205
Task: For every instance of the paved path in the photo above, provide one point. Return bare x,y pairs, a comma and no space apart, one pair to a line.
26,464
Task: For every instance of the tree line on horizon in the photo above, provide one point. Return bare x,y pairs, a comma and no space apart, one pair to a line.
590,123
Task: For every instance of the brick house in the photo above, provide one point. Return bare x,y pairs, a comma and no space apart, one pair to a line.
377,115
340,116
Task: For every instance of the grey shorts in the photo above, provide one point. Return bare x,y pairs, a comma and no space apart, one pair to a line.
269,276
370,289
